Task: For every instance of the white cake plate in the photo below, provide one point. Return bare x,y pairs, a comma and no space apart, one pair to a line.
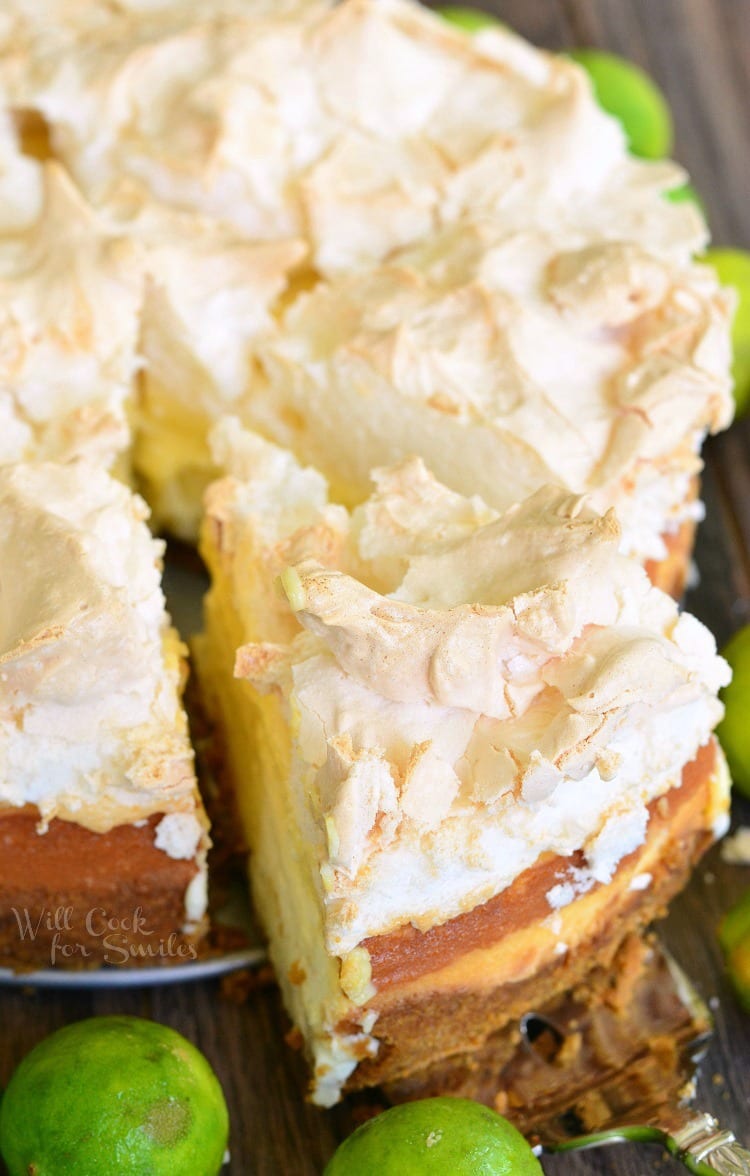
136,977
234,913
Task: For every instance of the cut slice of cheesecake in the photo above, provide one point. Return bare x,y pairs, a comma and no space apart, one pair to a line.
471,750
103,837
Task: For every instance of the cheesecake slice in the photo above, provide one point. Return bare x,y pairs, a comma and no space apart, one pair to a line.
471,750
103,837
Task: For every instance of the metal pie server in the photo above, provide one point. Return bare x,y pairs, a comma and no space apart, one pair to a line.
701,1144
694,1138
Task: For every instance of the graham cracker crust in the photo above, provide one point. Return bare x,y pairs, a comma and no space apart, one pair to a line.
617,1047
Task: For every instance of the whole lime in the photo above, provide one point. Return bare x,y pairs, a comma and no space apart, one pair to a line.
734,728
734,928
738,967
734,937
733,269
114,1095
435,1136
627,92
686,194
471,20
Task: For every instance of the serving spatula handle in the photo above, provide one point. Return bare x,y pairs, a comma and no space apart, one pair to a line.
704,1146
701,1144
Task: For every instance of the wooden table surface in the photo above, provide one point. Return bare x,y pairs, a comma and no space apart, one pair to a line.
699,50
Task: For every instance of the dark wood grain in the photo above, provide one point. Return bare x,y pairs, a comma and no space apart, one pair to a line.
699,50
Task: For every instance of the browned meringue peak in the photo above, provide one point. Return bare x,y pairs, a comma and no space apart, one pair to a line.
364,126
91,726
407,513
148,90
55,619
209,295
476,620
510,359
70,297
279,495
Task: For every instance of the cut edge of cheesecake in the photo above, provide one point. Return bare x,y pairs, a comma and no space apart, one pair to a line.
405,1000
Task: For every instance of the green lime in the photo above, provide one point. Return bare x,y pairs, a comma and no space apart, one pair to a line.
738,966
435,1136
471,20
734,937
734,728
686,194
627,92
114,1095
735,926
733,269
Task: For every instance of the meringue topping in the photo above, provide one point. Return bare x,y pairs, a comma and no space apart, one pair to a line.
509,359
70,298
209,297
20,181
363,125
536,317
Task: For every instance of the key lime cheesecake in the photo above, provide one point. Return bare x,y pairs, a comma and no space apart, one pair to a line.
471,750
103,837
368,236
